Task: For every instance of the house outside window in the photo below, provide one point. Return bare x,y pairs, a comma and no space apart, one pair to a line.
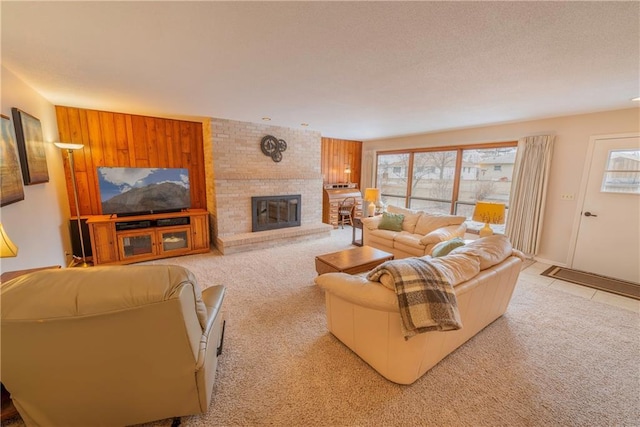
448,180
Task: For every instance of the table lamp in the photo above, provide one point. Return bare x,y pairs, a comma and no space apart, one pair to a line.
371,195
347,171
7,248
489,213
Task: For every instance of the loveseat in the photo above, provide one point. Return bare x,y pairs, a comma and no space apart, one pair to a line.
416,235
109,346
365,314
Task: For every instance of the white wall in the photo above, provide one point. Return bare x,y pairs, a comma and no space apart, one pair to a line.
38,225
572,139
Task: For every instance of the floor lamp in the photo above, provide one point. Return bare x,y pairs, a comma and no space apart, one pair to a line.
70,147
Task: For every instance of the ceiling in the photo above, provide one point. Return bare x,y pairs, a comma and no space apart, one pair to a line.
352,70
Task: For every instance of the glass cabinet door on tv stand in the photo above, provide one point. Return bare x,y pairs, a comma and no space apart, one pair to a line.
137,244
174,240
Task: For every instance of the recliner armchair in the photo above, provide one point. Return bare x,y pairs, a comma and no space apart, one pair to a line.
113,345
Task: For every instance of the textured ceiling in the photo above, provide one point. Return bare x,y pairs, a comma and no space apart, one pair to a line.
354,70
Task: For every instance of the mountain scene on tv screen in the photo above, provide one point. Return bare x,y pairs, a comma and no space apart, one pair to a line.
132,190
154,197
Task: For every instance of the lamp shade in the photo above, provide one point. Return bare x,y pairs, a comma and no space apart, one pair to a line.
371,194
7,247
68,145
489,213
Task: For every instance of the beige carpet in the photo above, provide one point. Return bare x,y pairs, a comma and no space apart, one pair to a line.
553,359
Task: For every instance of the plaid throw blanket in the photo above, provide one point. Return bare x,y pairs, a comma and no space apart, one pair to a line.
426,299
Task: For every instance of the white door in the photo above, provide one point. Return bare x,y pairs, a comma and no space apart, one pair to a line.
608,241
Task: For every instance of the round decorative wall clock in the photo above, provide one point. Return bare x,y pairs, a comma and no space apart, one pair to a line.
273,147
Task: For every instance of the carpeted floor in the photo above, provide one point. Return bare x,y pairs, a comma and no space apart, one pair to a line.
554,359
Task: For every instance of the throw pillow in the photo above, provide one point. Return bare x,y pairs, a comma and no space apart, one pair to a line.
411,217
391,222
443,248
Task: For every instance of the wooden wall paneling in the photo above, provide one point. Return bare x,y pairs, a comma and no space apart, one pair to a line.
198,161
125,140
93,158
336,154
161,143
108,139
177,147
121,140
130,141
185,155
152,141
140,141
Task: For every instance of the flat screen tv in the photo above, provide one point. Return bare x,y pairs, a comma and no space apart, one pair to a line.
137,191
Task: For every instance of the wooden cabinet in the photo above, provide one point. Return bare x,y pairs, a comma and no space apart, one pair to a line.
200,232
333,195
103,242
131,239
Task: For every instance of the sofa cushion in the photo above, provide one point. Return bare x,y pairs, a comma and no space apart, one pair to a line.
443,248
429,222
457,268
407,239
381,239
391,221
490,250
443,234
411,217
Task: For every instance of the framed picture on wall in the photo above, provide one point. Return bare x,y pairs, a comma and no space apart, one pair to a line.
33,159
11,189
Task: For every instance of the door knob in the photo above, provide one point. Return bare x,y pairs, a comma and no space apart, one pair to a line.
589,214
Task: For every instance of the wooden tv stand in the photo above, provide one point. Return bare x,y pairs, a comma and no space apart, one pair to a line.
128,239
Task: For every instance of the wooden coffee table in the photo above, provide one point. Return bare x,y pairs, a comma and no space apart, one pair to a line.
351,261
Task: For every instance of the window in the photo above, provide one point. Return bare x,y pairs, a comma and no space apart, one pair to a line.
390,179
448,180
622,172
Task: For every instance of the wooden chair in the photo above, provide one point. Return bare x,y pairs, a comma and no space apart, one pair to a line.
345,211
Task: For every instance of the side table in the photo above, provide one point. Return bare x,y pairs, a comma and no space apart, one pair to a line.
357,225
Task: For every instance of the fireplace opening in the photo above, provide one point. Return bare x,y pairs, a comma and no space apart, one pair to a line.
273,212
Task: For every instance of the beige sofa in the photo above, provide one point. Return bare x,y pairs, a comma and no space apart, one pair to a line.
364,315
109,346
420,232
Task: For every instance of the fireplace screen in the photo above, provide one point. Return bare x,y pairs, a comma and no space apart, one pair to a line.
273,212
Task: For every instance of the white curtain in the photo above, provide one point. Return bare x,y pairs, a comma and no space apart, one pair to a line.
528,192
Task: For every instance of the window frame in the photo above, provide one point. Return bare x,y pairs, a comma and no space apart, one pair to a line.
458,169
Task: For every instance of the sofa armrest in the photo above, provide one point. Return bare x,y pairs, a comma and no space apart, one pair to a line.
212,298
371,222
358,290
444,233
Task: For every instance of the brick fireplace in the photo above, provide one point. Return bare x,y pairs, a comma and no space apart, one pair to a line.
237,170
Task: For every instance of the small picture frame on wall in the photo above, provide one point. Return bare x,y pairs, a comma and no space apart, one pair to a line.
11,188
33,159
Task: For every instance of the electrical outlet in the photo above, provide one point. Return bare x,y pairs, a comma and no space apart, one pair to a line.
567,196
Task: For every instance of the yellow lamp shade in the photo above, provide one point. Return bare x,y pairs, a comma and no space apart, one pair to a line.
489,213
7,247
371,194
